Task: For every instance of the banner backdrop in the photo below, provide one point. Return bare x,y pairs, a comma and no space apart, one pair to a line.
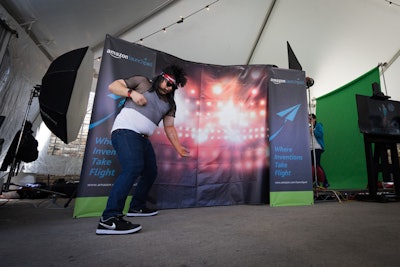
290,158
221,117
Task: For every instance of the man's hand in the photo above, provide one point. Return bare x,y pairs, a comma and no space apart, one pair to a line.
183,152
138,98
173,138
118,87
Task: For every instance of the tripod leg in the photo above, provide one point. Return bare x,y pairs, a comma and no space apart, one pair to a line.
70,198
11,173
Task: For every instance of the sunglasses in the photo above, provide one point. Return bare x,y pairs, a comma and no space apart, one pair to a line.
171,84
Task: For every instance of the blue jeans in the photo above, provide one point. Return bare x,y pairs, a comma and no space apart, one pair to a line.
137,158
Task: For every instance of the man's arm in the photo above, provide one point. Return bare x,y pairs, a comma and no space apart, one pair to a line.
118,87
172,135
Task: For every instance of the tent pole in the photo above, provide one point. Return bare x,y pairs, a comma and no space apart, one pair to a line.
391,61
271,7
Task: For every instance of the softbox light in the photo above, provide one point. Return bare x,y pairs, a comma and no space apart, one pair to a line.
293,61
64,93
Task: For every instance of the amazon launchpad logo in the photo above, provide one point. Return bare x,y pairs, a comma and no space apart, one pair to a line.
118,55
282,81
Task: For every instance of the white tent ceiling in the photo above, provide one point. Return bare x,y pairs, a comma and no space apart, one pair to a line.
335,41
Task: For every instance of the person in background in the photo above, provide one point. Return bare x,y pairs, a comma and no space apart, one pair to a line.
148,103
317,146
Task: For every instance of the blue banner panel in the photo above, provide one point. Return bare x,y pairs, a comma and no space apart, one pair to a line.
290,158
100,165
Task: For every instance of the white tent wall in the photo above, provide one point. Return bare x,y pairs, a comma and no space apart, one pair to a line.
26,68
392,80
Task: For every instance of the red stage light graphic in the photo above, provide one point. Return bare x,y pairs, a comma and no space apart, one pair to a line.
222,120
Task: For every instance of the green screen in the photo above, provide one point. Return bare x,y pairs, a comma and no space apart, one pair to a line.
344,157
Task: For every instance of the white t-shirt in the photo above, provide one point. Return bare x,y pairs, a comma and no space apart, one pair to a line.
130,119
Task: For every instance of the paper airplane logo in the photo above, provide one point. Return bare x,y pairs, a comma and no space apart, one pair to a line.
289,115
121,101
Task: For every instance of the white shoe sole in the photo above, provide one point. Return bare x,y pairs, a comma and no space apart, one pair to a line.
118,232
141,214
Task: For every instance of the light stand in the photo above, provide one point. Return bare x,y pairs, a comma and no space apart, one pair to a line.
309,83
317,189
15,162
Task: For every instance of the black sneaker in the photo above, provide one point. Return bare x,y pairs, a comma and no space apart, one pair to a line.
116,226
142,212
